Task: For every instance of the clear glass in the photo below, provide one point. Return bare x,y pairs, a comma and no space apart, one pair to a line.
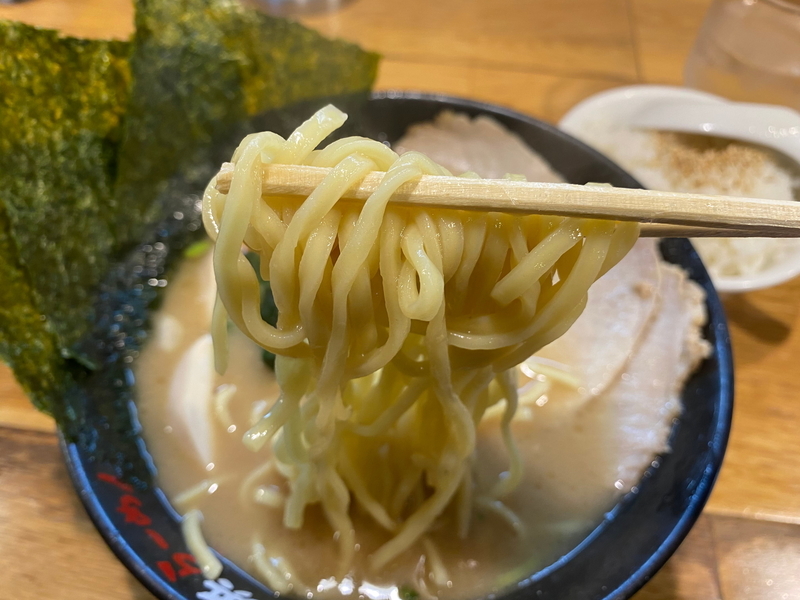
749,50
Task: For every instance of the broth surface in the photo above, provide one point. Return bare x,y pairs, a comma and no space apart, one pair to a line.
582,447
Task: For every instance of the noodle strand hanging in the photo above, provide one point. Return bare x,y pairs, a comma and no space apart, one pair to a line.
398,329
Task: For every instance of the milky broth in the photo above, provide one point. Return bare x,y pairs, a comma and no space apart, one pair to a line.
572,468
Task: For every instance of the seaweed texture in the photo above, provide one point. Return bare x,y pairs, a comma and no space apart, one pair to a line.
26,341
202,69
99,142
62,102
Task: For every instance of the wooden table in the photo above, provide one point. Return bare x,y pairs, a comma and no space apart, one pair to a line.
541,57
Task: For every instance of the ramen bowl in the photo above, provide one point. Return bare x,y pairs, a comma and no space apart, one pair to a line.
114,474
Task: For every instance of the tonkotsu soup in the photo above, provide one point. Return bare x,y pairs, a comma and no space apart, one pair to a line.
595,407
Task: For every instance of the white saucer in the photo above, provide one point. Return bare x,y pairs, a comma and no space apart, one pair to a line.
616,106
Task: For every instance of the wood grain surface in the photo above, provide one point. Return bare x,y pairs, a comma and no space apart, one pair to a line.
540,57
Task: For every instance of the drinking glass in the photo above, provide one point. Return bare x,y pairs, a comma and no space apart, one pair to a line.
749,50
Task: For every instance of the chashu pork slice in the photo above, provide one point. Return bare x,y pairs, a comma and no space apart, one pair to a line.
480,145
600,450
598,346
647,397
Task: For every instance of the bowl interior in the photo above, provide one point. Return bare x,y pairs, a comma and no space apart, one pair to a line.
623,552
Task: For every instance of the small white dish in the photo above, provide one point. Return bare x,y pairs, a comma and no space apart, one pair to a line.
625,105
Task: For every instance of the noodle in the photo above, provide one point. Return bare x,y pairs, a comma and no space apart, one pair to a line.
277,572
194,493
397,330
222,398
438,570
206,559
505,513
269,496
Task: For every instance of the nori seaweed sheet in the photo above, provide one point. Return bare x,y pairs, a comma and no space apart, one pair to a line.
26,341
60,124
203,68
97,141
100,402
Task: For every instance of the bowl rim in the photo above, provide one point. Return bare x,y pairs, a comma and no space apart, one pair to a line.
718,443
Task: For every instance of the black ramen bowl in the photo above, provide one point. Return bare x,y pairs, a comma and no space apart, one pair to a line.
114,474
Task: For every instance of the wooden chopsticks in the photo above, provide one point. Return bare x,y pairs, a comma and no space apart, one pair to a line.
662,214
